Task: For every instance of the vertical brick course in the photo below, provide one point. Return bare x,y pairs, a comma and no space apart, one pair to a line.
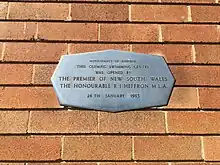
63,122
97,148
34,52
166,148
68,31
159,13
132,122
129,32
99,12
30,148
13,122
33,11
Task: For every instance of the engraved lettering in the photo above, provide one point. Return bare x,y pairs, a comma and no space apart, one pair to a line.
64,85
64,78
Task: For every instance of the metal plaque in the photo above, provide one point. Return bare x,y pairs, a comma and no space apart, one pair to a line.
112,80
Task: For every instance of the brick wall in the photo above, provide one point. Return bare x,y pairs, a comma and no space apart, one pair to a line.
35,130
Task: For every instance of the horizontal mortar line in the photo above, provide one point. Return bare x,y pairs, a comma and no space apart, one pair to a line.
106,161
109,22
143,109
56,62
50,85
109,42
111,134
116,2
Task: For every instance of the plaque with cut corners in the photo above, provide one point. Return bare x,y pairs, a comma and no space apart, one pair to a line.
112,80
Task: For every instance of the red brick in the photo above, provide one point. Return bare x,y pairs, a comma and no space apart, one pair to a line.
17,30
12,163
132,122
129,0
173,53
196,75
195,163
1,51
29,148
28,97
209,97
207,54
167,148
15,73
193,122
81,48
129,32
212,148
3,10
68,31
34,52
190,33
184,98
97,148
100,12
189,1
43,73
159,13
63,122
78,163
43,11
13,121
205,13
136,163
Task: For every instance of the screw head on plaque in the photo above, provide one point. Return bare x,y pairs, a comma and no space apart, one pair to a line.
112,80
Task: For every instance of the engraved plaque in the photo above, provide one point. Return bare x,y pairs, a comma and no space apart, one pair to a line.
112,80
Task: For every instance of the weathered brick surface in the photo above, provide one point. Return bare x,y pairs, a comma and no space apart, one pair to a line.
15,73
13,122
212,148
136,163
190,33
63,122
29,148
43,73
12,163
172,53
17,30
81,48
1,49
193,122
132,122
129,32
3,10
207,54
34,52
167,148
78,163
190,1
28,97
100,12
205,13
43,11
68,31
97,148
159,13
209,97
196,75
184,98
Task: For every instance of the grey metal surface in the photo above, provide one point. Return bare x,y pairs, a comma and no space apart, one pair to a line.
112,80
